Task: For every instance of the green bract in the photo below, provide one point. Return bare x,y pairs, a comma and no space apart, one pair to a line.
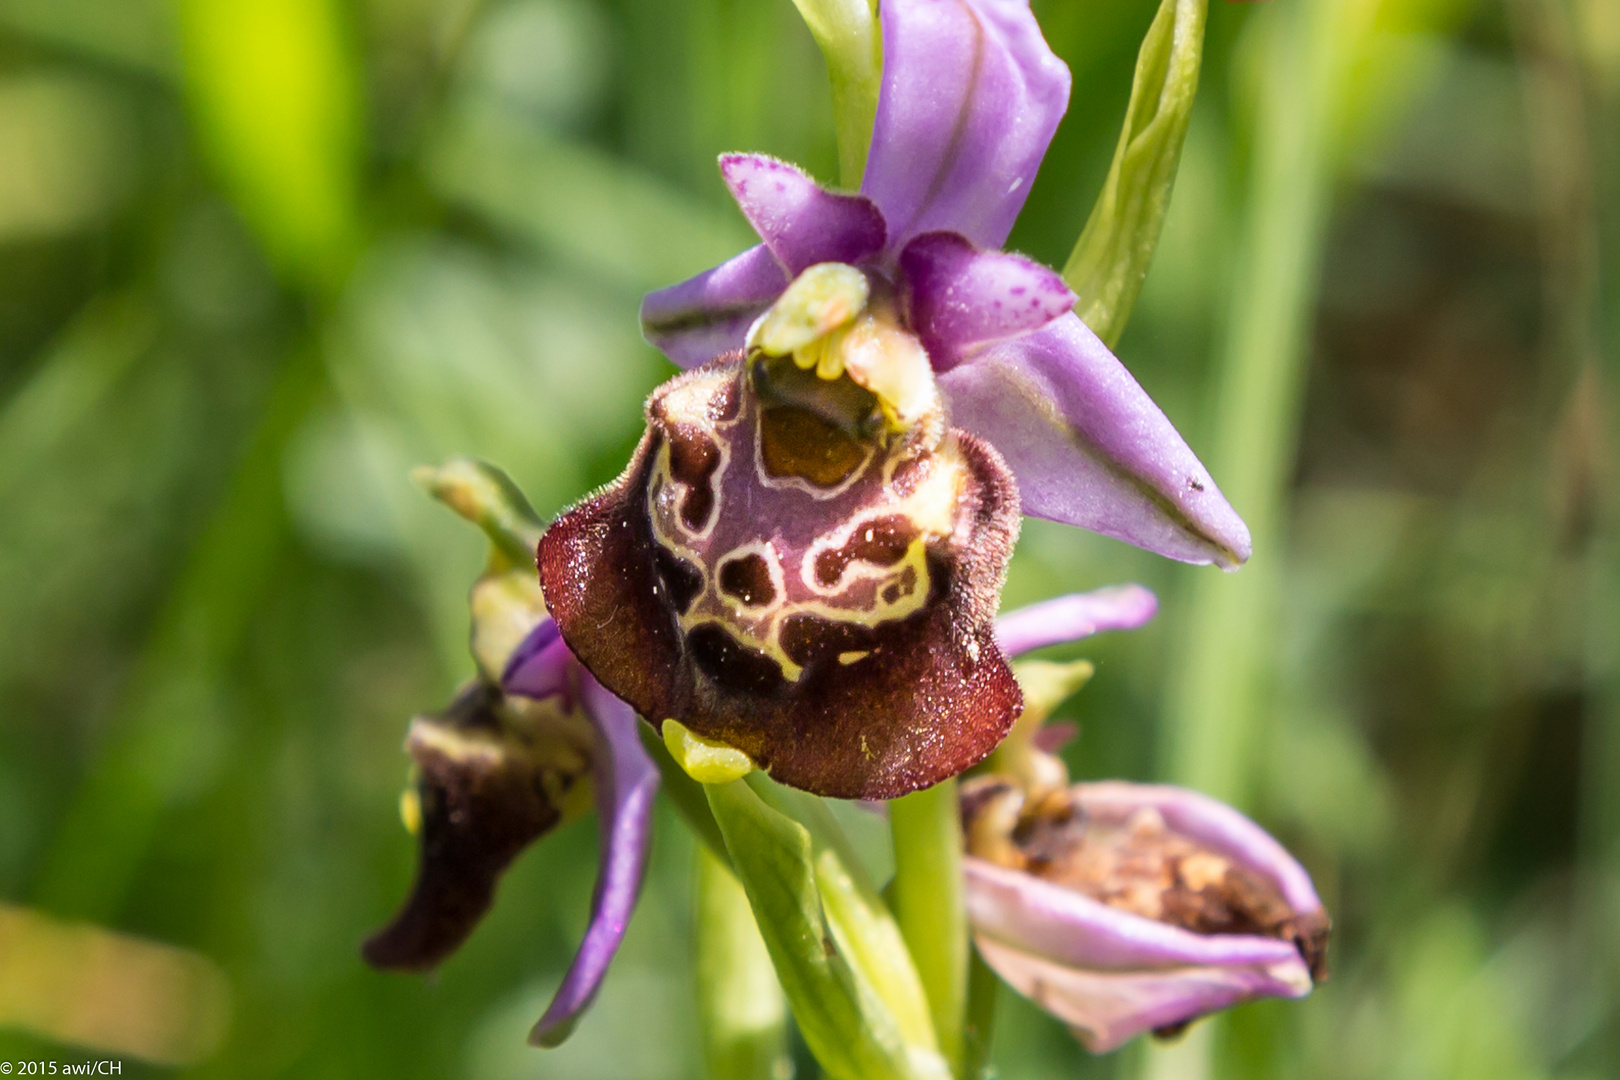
847,31
1111,258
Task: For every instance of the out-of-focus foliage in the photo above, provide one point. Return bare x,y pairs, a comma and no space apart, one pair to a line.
259,259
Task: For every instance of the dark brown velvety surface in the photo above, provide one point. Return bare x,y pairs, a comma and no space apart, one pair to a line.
878,710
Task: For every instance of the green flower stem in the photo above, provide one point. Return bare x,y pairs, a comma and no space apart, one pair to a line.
1110,260
928,903
837,958
979,1033
740,1003
856,910
847,31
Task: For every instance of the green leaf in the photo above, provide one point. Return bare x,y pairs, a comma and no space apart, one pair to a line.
1111,258
847,31
811,909
739,1000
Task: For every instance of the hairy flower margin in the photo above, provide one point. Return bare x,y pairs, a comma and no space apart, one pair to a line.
805,555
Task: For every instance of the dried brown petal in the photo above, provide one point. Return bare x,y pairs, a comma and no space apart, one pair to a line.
493,775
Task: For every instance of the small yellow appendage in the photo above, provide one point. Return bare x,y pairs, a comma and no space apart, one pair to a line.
708,761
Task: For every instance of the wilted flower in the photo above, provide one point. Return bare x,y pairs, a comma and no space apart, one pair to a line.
1122,908
804,557
520,750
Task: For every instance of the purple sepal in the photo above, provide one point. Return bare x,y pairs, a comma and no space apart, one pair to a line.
970,98
961,299
801,222
710,314
1076,616
1090,448
1106,1009
1112,974
541,664
626,782
1067,927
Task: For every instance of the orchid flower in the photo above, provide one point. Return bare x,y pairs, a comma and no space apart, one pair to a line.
1118,907
804,557
520,750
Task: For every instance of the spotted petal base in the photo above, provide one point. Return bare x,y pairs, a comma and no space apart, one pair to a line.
819,598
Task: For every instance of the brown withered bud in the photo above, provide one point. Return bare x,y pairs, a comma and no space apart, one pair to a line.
494,773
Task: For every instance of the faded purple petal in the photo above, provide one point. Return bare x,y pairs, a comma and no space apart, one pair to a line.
971,96
800,221
1112,974
1108,1008
702,317
626,781
961,299
1076,616
1090,448
1209,822
1067,927
539,667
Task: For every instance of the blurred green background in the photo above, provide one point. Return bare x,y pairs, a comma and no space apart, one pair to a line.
260,257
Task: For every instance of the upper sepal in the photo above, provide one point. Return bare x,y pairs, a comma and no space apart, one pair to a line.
970,99
819,600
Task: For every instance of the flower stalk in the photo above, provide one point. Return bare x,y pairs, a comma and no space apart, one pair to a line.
847,32
740,1003
838,957
928,904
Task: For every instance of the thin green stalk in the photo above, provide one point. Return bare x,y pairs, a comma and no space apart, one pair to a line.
928,904
1110,260
978,1034
1217,704
686,795
740,1003
848,33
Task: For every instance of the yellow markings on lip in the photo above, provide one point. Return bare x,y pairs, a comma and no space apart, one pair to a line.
708,761
853,656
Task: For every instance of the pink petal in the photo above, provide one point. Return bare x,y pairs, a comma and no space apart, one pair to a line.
1090,448
710,314
800,221
960,299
